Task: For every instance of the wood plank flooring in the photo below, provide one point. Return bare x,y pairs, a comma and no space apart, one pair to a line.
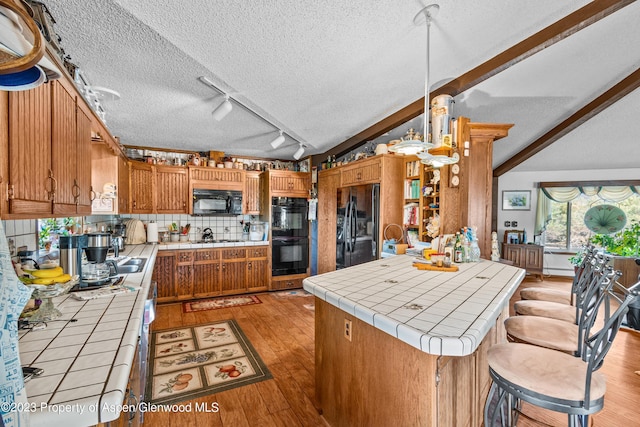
282,331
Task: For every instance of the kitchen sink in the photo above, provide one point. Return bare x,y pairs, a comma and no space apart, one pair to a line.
134,265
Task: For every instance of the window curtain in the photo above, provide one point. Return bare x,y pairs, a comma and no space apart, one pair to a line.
567,194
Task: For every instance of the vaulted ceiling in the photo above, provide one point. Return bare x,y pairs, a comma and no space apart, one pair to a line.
334,74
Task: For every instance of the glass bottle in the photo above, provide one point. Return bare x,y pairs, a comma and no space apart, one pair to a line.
457,250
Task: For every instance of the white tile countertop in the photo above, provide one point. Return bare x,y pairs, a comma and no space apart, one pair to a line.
87,362
441,313
189,245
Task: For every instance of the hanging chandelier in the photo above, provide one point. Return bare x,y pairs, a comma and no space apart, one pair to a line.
416,146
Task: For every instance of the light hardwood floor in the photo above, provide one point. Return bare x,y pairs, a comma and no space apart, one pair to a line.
282,331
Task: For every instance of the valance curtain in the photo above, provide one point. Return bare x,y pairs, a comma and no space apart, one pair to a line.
567,194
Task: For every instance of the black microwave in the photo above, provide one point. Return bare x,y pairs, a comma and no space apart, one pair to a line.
216,202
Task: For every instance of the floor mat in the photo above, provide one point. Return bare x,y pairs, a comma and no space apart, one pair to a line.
287,294
190,362
222,302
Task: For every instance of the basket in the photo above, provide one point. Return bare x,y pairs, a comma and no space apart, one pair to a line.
391,245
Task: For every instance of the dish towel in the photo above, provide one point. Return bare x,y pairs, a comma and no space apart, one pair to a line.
13,297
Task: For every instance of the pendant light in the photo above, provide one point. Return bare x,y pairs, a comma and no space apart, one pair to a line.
416,147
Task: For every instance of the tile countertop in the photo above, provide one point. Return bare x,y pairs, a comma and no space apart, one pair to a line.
441,313
189,245
87,363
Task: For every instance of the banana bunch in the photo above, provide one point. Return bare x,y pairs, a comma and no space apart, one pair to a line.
50,276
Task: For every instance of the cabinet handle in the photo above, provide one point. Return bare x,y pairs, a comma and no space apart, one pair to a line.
359,176
249,265
224,267
54,186
10,192
184,205
134,204
75,192
218,267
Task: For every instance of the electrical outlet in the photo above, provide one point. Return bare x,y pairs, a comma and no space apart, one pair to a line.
507,223
514,223
348,331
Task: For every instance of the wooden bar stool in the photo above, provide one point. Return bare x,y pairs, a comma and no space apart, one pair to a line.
551,379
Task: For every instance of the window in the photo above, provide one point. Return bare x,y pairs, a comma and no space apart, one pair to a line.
50,228
566,230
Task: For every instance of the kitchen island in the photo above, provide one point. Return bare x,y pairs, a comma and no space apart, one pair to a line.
400,346
87,361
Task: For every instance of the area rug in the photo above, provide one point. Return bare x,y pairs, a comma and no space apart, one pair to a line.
222,302
196,361
287,294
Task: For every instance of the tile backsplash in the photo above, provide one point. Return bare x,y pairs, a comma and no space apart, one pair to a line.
20,232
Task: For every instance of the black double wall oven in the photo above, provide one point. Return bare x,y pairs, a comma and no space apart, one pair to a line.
289,235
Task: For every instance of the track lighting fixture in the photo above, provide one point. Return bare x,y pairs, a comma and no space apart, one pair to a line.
223,109
299,153
278,141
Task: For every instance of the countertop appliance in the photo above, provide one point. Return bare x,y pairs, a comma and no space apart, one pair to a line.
357,225
216,202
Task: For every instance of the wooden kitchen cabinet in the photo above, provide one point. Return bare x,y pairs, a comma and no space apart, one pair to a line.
363,172
529,257
30,185
123,185
293,281
141,188
171,189
233,276
251,194
328,183
386,170
258,268
216,178
289,183
70,152
184,274
206,273
164,273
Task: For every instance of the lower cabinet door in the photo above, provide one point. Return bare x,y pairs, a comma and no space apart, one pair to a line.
164,273
258,273
184,281
233,278
206,280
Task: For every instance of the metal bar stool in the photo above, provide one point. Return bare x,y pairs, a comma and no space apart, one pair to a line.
551,379
559,334
562,296
560,311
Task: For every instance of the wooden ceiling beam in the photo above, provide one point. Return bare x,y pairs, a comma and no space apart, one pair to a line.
570,24
602,102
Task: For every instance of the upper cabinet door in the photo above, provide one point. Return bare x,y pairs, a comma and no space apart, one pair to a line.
63,148
289,184
172,189
82,187
141,189
31,183
252,194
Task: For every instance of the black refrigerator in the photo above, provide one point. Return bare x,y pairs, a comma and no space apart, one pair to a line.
357,225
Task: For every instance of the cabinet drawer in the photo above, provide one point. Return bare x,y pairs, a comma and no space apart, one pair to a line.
285,283
257,252
233,254
184,257
205,255
361,174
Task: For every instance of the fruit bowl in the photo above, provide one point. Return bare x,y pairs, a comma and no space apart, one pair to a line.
47,310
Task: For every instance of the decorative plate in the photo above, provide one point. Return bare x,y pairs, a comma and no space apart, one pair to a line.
605,219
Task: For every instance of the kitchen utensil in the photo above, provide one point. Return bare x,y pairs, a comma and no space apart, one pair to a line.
207,235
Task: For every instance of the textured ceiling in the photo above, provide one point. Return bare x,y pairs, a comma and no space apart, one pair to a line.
324,71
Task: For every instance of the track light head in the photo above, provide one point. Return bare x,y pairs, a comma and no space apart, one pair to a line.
299,153
278,141
223,109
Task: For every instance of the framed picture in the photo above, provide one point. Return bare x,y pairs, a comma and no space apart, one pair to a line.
516,200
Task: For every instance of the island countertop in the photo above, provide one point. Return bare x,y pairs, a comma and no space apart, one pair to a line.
440,313
87,362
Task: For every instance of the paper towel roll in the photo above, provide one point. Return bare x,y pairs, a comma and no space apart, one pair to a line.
152,232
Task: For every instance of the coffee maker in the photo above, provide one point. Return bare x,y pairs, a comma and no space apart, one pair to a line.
97,271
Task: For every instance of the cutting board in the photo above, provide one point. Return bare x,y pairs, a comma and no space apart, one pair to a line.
421,266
